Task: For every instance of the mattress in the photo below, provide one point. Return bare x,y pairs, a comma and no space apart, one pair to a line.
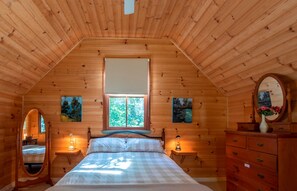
33,153
127,171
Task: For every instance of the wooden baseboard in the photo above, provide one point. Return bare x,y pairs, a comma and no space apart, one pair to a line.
210,179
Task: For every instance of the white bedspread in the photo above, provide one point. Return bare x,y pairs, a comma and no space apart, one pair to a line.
33,153
140,171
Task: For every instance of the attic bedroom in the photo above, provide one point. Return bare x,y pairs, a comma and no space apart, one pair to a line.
228,67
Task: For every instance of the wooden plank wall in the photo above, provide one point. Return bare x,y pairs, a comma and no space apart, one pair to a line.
240,106
10,113
172,75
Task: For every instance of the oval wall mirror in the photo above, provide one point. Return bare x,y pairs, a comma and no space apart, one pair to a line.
270,94
33,142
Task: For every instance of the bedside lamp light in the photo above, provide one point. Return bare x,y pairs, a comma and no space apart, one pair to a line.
71,146
177,139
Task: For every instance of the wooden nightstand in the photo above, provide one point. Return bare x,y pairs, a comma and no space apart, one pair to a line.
68,154
183,154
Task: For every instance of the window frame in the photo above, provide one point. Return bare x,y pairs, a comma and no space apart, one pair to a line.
107,96
145,127
39,123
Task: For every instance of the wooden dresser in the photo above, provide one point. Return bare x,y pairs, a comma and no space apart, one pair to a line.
261,161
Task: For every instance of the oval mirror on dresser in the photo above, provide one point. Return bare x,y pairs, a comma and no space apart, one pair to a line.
270,92
33,150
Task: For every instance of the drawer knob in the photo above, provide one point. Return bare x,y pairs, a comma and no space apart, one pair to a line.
261,176
235,153
259,160
235,140
260,144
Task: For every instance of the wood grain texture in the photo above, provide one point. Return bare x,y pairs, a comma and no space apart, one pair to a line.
172,75
231,41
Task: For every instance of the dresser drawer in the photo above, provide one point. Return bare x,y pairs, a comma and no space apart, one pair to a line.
237,168
267,161
243,182
262,144
236,140
236,153
262,175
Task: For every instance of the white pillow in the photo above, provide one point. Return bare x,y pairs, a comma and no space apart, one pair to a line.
143,144
108,144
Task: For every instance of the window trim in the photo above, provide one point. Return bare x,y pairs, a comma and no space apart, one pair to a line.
39,123
106,102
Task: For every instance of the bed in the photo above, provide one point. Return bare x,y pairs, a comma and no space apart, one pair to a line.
33,157
33,154
124,164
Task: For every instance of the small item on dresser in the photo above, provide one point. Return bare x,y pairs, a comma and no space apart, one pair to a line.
263,125
248,126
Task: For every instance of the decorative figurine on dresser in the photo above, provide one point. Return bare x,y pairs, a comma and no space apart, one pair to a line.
263,156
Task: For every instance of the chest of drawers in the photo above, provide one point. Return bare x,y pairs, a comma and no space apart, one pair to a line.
261,161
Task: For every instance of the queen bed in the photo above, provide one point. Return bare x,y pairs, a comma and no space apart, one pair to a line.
127,164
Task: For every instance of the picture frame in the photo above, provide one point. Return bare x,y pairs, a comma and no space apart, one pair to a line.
182,110
264,99
71,109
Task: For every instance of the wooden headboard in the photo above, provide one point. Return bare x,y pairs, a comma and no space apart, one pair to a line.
162,137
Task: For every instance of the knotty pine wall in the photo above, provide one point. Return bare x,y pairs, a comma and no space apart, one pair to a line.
10,113
172,75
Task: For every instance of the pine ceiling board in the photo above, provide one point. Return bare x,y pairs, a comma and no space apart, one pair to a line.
79,16
26,57
286,21
36,37
209,41
88,15
161,17
174,16
58,36
183,28
67,17
15,35
143,7
57,15
19,26
185,35
109,17
133,20
260,47
153,6
36,23
184,19
209,57
205,19
222,20
100,9
117,11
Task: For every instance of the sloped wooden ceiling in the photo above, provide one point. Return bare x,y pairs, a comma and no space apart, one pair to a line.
233,42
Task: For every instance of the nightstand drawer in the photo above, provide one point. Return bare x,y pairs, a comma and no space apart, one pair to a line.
236,140
262,144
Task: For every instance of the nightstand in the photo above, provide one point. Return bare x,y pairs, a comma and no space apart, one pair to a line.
183,154
68,154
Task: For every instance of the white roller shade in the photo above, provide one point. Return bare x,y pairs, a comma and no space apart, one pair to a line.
126,75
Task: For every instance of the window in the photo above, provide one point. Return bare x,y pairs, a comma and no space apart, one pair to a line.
126,98
42,127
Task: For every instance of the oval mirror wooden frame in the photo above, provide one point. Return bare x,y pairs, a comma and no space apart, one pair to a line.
283,89
43,175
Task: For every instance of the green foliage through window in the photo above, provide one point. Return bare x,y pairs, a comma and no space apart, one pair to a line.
42,124
126,111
